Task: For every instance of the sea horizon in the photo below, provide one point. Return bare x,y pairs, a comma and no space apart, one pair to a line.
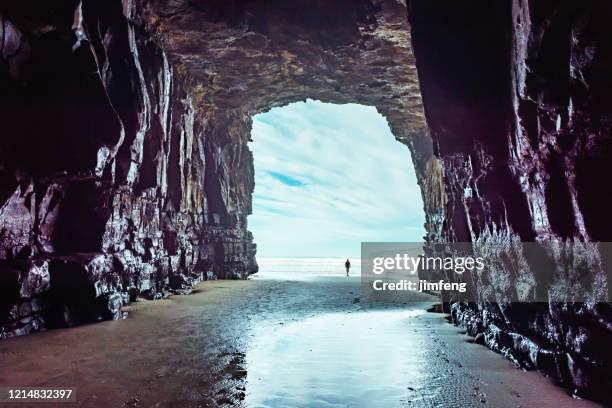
311,266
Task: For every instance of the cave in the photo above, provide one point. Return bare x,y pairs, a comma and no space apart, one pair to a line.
126,170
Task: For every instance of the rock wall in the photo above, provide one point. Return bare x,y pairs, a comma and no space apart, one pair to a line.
113,185
519,103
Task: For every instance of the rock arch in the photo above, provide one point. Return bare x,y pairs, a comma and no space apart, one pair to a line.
132,117
148,114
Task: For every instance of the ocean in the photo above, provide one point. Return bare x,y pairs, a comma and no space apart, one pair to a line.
283,268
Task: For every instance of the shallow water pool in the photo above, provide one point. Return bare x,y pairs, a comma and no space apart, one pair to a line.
336,360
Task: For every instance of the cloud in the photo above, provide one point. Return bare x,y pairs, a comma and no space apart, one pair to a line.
328,177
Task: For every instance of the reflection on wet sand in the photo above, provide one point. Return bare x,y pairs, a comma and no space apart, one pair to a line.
274,343
359,359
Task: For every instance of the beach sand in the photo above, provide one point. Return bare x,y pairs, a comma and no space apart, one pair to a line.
274,342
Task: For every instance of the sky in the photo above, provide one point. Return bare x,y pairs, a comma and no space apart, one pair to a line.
328,177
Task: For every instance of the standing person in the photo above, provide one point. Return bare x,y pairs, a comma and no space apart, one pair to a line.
347,265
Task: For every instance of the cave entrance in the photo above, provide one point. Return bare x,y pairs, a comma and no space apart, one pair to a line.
328,177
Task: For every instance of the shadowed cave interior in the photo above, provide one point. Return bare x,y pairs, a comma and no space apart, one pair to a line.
133,119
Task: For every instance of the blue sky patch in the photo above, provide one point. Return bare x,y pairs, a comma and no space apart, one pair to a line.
285,179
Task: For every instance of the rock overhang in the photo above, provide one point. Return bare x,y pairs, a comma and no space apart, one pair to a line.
254,55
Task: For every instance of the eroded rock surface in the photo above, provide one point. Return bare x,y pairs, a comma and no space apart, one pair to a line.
114,184
520,106
125,168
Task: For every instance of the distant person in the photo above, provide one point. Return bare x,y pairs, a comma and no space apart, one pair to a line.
347,265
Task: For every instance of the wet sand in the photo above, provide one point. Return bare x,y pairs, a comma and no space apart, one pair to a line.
270,342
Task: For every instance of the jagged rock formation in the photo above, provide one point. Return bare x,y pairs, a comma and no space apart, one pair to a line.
519,102
125,166
114,184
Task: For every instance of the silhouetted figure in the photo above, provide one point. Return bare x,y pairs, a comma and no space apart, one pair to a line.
347,265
